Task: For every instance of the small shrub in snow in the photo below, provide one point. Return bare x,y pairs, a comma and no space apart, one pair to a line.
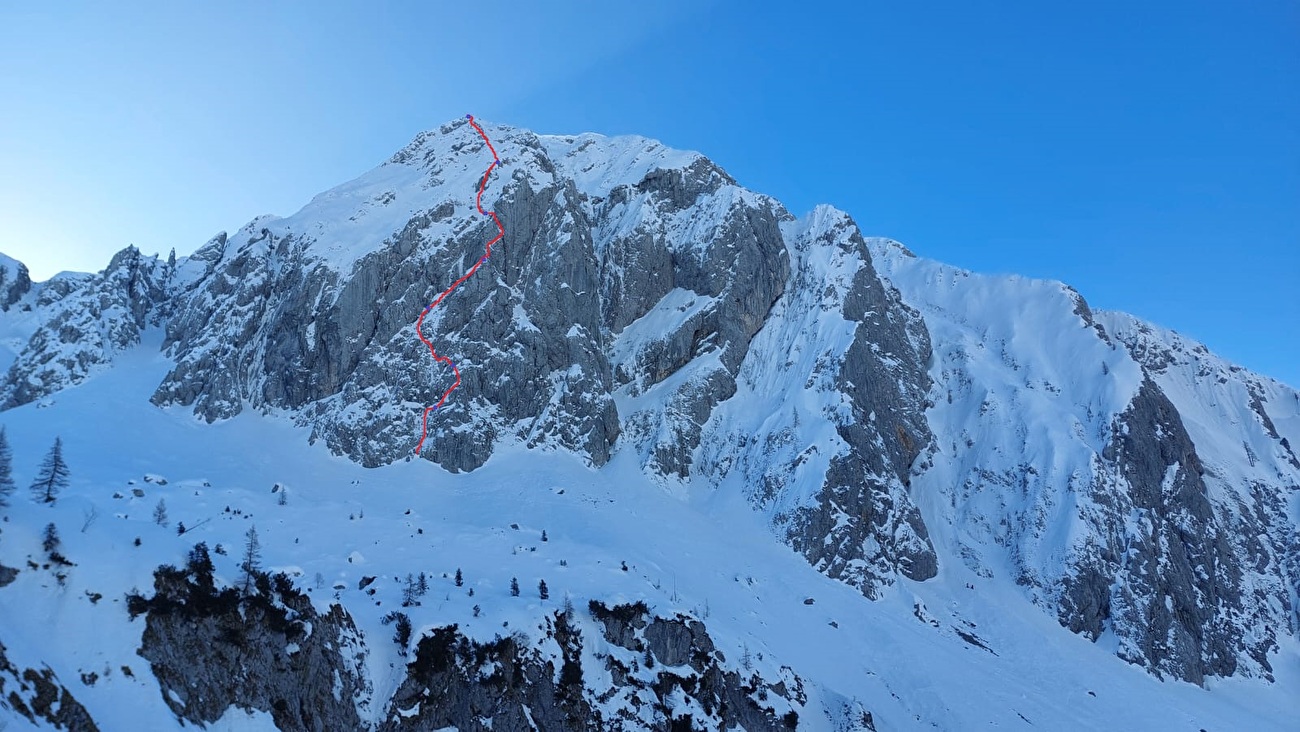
160,513
50,538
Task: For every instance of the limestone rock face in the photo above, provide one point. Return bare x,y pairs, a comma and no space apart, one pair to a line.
15,281
887,416
38,696
85,322
268,650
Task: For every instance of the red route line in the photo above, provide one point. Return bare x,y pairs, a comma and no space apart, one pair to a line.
487,252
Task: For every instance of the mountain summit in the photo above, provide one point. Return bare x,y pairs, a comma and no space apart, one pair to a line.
900,424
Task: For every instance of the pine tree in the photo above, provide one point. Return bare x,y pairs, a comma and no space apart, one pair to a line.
422,584
542,591
410,591
7,486
252,563
460,579
160,513
544,535
53,475
402,634
514,587
200,566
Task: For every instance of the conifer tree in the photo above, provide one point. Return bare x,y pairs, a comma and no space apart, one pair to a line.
200,566
408,592
460,579
160,513
7,486
53,475
542,590
252,563
402,633
514,587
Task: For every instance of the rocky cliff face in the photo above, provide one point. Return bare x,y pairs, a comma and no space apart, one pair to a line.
889,416
1060,458
655,674
267,648
262,648
38,696
79,334
14,282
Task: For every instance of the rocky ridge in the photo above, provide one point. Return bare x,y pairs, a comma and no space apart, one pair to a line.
893,418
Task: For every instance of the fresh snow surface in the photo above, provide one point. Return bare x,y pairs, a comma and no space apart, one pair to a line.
707,549
599,164
345,223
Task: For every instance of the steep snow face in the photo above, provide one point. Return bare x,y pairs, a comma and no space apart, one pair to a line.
827,418
1060,463
1244,427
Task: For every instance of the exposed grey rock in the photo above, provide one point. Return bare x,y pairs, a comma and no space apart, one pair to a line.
509,683
500,685
15,282
85,330
1171,590
212,648
38,696
675,656
845,507
863,501
653,279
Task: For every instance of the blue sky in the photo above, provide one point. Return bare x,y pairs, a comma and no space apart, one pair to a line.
1146,153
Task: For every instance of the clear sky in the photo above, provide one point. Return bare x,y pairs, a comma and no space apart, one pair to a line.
1146,153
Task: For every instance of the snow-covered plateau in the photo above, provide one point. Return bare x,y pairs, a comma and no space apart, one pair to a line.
710,466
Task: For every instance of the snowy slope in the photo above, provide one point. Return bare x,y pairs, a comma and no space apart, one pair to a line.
1041,416
908,672
908,493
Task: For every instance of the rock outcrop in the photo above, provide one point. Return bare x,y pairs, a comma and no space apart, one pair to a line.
888,416
265,648
40,697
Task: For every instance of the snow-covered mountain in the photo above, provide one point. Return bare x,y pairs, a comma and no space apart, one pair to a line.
774,474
